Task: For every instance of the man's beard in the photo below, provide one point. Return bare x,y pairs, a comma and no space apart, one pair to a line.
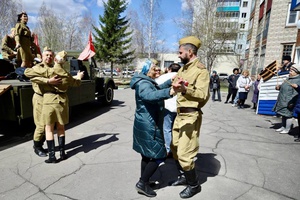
185,60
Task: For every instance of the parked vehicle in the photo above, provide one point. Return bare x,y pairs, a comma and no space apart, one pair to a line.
107,72
223,76
16,99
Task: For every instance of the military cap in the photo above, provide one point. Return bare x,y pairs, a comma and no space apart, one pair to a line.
190,40
12,29
47,49
62,54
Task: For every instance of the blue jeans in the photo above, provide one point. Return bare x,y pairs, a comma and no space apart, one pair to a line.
168,125
214,94
236,98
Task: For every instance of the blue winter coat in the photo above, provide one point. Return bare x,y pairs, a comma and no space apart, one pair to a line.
148,138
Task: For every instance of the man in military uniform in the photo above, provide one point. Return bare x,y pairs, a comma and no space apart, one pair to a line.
8,45
192,87
37,99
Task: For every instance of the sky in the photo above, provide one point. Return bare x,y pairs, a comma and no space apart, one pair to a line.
171,10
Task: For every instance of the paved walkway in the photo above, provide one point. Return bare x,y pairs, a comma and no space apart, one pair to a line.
241,157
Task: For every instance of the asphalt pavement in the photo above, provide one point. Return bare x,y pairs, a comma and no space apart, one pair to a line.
241,157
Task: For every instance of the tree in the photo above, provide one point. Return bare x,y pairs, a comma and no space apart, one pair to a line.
60,31
214,28
8,15
113,40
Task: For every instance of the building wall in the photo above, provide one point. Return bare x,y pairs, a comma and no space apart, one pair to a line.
277,35
278,32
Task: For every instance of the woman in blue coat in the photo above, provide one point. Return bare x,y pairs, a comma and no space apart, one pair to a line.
148,139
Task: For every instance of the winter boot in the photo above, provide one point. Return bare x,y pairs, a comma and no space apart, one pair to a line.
38,149
144,188
51,152
193,185
61,143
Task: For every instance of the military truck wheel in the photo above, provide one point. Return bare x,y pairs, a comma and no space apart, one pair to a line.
109,95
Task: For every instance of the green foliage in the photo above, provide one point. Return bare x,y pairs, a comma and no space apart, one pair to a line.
113,40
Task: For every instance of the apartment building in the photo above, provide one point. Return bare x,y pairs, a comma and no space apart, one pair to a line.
272,33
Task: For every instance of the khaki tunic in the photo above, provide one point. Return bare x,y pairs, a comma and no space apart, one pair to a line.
8,44
55,100
186,129
23,37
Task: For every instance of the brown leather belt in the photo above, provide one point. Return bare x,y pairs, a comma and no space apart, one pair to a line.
187,110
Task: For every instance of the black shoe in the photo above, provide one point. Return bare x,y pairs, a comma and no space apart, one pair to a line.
297,140
190,191
226,102
180,181
145,189
51,160
40,151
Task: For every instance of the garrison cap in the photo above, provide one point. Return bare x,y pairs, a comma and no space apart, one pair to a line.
190,40
12,29
47,49
154,62
62,54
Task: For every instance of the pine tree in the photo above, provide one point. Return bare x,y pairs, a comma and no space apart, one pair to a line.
113,40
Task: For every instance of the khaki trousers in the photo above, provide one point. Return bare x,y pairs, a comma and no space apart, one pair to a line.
37,103
185,141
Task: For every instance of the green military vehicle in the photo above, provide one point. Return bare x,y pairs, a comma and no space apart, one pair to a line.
16,96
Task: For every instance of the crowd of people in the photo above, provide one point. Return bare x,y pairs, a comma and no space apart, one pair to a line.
287,104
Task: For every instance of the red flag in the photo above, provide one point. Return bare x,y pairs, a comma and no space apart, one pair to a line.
36,42
89,50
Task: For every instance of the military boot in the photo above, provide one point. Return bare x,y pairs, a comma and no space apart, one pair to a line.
51,152
61,143
193,185
181,180
38,149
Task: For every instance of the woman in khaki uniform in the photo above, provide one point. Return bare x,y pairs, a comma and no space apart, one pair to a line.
23,40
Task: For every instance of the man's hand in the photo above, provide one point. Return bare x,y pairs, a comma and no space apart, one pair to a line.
56,80
179,86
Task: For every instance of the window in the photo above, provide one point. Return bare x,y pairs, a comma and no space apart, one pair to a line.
292,17
242,26
244,15
287,50
240,46
245,4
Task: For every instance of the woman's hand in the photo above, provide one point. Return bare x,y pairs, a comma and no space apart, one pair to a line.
294,85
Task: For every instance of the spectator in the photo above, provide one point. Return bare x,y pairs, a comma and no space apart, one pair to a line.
8,45
297,110
286,99
244,83
170,111
232,89
256,87
148,137
215,85
286,65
